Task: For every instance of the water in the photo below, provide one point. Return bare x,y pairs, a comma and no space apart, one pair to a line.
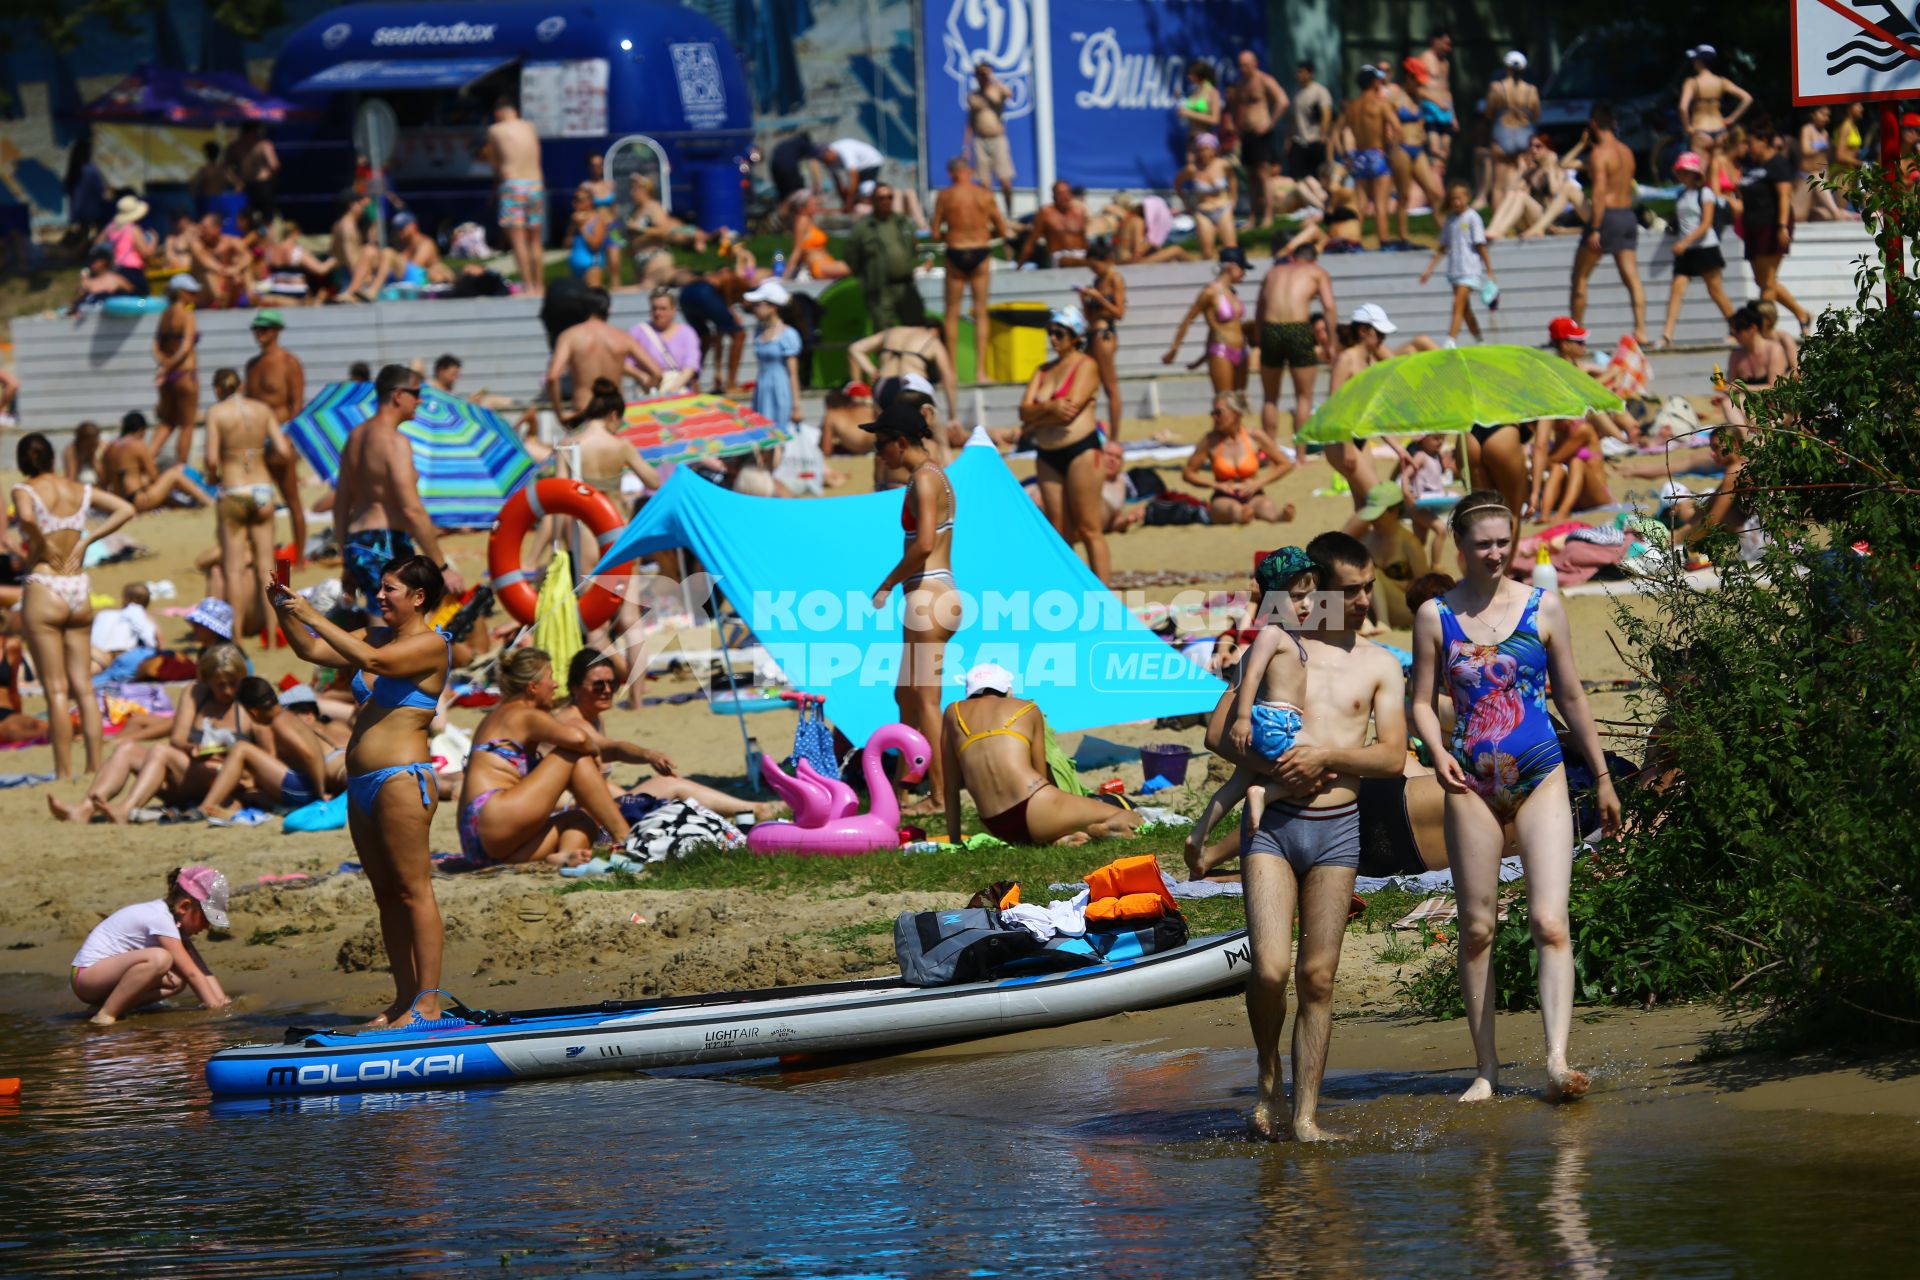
1107,1160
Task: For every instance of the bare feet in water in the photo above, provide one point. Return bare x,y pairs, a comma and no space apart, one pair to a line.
1567,1084
1479,1091
1310,1131
1264,1124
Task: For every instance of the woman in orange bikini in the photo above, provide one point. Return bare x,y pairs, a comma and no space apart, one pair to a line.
810,242
930,604
1004,768
1239,463
1226,335
1057,411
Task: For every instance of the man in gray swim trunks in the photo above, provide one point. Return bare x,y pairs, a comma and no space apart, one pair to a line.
1307,849
1612,229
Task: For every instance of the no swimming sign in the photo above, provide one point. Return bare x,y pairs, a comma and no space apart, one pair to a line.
1854,50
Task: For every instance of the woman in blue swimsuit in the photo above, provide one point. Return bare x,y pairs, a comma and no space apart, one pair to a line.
391,788
1498,645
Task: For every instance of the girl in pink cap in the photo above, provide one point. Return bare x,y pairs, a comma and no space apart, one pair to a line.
141,953
1696,247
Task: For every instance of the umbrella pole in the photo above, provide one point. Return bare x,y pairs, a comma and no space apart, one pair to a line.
1466,466
726,663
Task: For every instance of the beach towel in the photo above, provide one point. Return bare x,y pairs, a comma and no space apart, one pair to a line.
8,781
1626,370
677,829
1159,220
321,815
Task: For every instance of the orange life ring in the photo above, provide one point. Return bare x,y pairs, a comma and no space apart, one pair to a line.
522,511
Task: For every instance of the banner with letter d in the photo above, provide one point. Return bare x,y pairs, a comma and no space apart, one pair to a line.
1118,75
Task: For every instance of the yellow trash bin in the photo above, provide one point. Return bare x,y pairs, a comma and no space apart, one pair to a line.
1017,340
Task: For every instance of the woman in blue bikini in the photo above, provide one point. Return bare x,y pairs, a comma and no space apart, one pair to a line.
1498,644
391,790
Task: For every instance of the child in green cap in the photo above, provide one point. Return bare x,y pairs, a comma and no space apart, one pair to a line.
1266,704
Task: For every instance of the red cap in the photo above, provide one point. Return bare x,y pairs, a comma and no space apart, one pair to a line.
1911,120
857,390
1565,329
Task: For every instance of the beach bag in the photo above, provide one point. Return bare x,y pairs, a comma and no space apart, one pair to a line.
1145,482
813,741
1177,508
936,948
1114,943
677,829
1676,420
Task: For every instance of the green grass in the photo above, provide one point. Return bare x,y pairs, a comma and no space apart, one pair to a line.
1404,950
960,871
854,934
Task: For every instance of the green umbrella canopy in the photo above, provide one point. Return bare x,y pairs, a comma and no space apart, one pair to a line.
1452,391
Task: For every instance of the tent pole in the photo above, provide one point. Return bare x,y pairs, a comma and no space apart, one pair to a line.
726,662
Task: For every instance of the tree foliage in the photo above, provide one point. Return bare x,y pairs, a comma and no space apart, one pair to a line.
61,23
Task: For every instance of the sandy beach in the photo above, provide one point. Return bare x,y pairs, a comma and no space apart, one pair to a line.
313,944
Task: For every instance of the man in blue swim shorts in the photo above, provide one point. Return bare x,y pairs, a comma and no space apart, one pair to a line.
1370,121
377,512
1302,859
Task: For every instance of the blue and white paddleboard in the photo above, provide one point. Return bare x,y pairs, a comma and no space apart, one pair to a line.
844,1017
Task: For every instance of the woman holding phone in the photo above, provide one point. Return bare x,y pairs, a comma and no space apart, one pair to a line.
391,789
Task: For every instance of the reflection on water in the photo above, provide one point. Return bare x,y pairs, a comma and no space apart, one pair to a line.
1106,1161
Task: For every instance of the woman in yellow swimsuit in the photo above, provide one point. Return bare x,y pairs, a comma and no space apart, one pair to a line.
1004,768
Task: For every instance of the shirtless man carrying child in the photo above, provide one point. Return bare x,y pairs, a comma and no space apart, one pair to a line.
1304,854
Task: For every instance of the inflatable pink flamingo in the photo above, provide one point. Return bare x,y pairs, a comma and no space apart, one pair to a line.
841,799
821,825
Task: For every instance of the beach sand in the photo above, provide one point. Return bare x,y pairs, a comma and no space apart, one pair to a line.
512,939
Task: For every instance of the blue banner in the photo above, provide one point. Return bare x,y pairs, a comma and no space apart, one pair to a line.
1119,73
957,37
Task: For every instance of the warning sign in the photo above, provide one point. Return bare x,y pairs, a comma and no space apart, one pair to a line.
1853,50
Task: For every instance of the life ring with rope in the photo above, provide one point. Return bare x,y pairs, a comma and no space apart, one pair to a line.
525,509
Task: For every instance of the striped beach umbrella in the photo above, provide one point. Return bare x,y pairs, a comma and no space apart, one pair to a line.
688,427
468,459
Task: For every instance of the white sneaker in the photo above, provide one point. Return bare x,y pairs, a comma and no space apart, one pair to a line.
1449,345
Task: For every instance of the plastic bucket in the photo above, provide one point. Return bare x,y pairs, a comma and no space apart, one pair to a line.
1167,760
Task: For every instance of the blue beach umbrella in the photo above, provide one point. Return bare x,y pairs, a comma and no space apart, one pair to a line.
468,459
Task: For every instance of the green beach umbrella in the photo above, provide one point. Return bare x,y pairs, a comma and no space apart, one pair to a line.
1453,391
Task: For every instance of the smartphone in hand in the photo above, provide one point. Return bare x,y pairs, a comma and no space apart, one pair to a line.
282,573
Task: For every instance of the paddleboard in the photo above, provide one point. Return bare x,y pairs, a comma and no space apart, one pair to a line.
471,1047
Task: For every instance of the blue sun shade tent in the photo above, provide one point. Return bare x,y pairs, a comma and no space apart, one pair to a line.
802,571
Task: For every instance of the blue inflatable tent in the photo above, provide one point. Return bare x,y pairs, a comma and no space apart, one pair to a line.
801,573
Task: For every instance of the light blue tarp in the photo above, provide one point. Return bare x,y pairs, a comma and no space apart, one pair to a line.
802,574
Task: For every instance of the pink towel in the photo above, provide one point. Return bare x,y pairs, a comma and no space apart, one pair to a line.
1159,220
1574,560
